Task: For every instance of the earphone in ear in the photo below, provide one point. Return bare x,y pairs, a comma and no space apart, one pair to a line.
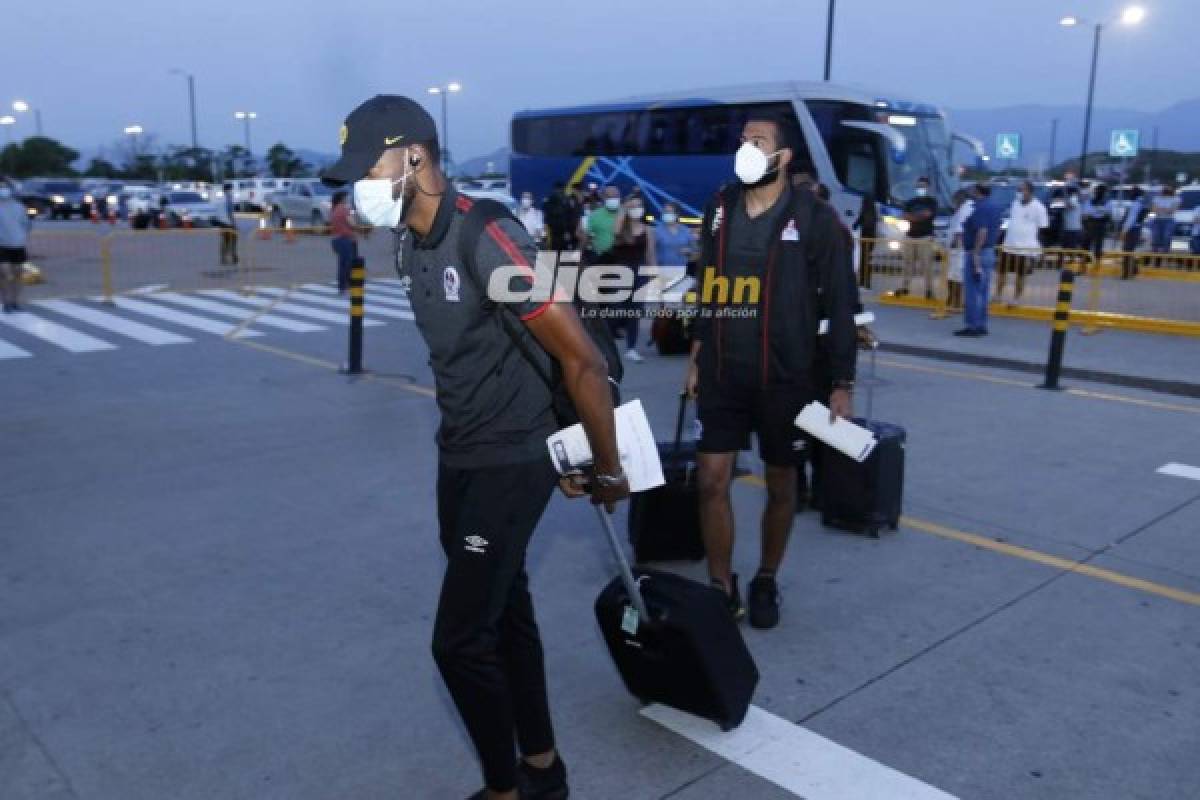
414,161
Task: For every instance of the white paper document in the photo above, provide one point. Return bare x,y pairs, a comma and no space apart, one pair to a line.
843,435
569,448
865,318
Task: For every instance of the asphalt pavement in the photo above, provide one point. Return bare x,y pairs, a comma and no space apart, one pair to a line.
219,566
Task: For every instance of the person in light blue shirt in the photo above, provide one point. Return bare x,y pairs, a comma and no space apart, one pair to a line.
14,235
673,241
981,234
1131,232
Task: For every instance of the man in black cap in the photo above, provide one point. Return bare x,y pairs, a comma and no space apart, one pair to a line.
494,474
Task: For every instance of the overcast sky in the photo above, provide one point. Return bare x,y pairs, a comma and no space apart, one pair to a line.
95,67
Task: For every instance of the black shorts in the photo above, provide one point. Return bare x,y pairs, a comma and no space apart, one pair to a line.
731,410
12,255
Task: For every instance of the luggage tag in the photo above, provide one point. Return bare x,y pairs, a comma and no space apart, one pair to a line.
629,621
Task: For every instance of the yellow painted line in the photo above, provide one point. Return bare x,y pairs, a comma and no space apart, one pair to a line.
279,351
1134,401
581,170
1065,564
956,373
1036,556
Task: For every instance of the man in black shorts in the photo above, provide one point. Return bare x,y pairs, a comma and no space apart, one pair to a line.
14,234
494,473
752,357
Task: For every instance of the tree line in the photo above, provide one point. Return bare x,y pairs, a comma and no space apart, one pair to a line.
138,158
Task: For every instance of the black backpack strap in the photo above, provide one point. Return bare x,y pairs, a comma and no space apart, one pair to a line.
481,214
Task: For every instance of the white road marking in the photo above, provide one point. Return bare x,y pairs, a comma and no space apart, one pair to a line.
287,308
12,351
111,322
66,338
372,296
1180,471
238,312
796,759
340,303
182,318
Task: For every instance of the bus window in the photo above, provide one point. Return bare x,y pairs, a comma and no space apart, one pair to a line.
854,153
704,130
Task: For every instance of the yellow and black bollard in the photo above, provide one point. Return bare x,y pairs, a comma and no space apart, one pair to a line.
1058,339
358,279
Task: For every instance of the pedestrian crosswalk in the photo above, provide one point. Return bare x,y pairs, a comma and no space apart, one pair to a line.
162,318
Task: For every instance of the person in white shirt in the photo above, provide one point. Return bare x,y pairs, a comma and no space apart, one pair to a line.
1022,243
964,206
531,217
1164,207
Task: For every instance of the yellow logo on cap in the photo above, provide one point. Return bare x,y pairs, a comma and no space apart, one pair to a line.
391,140
343,135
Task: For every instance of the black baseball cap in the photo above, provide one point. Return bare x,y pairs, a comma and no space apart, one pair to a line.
385,121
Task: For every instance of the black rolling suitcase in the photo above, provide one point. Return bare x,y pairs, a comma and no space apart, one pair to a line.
674,641
664,523
865,497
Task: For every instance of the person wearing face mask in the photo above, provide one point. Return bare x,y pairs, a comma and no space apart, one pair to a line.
1022,241
601,227
494,477
531,217
632,247
14,236
752,357
919,211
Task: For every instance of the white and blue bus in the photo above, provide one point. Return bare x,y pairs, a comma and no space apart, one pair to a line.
680,147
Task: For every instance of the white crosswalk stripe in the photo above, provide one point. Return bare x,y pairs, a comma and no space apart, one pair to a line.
111,322
372,297
12,351
342,303
219,312
67,338
238,312
181,318
286,307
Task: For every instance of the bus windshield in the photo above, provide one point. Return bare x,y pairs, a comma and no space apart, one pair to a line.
927,155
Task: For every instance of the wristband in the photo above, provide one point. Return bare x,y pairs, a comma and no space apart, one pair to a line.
615,479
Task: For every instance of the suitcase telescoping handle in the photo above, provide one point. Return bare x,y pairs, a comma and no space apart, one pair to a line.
635,593
683,400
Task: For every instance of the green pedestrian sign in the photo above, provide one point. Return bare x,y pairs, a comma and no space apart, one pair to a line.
1124,143
1008,145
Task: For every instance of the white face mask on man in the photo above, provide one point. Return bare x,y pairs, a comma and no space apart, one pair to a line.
750,164
612,203
373,200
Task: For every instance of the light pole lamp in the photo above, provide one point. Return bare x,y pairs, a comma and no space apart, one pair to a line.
191,82
453,86
1132,15
21,107
245,117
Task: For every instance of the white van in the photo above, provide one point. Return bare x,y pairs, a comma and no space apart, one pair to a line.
250,194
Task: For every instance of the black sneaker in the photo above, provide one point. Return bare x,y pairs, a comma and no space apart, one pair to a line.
733,598
542,784
764,602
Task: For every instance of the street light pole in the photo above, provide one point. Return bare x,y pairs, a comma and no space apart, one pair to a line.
245,117
191,82
444,91
1087,114
829,40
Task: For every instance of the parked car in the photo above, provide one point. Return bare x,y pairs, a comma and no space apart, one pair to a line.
251,194
188,209
66,198
1189,203
37,203
305,203
140,205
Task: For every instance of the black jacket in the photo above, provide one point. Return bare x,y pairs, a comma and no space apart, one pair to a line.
807,279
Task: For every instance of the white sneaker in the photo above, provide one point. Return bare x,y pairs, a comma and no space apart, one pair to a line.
634,356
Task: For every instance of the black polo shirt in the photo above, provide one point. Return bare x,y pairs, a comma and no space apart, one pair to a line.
495,408
750,242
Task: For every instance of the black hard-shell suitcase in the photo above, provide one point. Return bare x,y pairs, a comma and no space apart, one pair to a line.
664,523
865,497
670,335
674,641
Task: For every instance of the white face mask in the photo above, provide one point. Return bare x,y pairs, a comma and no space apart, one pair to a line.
751,164
526,202
670,217
612,203
637,212
922,191
373,200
